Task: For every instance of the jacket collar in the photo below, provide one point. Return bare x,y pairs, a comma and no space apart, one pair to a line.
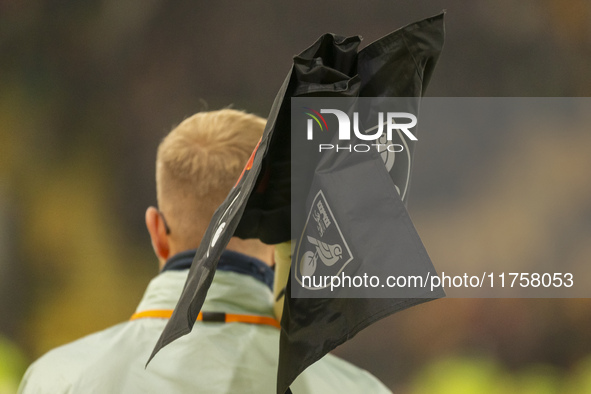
230,292
229,261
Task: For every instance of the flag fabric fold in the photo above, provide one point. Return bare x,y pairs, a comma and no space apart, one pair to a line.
259,206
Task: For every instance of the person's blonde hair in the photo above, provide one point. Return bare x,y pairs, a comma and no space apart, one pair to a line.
198,163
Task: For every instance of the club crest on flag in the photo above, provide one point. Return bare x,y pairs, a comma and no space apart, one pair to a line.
322,249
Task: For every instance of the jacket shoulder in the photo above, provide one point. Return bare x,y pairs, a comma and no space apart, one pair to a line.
58,370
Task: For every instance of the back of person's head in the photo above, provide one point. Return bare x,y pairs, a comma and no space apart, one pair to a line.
197,165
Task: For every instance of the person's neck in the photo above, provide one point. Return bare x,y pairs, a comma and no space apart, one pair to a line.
252,247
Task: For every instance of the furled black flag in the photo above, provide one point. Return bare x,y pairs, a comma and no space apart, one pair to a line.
260,205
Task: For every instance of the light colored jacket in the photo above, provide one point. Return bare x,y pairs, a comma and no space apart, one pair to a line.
213,358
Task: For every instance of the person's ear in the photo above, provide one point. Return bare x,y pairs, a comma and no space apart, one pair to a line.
158,234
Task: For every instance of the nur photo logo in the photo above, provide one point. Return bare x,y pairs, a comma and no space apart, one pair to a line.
387,123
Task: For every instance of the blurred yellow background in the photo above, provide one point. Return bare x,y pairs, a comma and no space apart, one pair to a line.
87,90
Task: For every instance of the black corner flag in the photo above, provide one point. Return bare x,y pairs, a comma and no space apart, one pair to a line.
259,206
